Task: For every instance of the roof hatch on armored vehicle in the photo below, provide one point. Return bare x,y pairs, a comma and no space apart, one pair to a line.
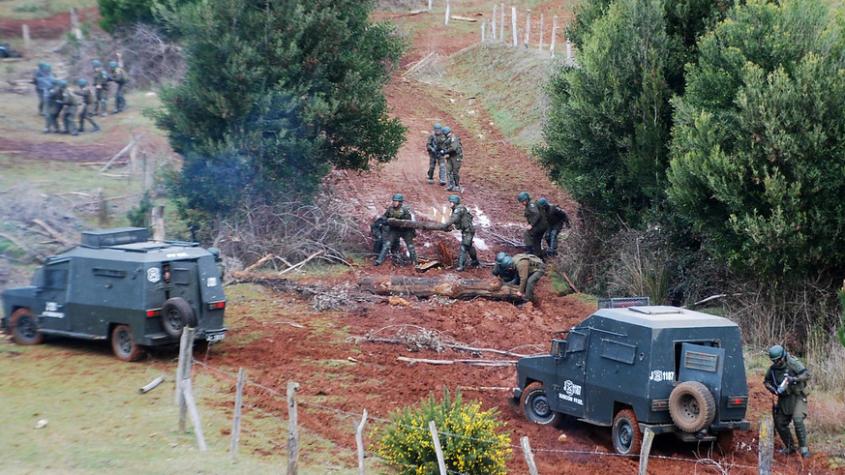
657,310
101,238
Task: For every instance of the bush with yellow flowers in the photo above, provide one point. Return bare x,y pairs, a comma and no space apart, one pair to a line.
471,439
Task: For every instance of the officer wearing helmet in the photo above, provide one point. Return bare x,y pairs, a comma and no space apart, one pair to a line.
53,106
70,108
42,80
787,379
533,237
461,219
452,151
101,87
88,99
397,210
434,158
557,219
524,270
118,76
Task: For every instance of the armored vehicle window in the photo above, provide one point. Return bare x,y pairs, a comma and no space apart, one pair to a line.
55,278
576,341
708,361
113,273
618,351
181,276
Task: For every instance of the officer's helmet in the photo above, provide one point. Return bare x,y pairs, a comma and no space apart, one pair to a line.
113,64
82,82
455,199
776,353
503,259
398,197
446,130
438,128
543,202
522,197
96,63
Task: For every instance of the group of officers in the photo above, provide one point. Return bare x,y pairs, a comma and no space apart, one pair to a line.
446,154
75,106
523,270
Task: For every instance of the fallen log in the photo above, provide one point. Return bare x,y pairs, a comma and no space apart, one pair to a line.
447,286
408,224
53,233
259,263
464,18
453,362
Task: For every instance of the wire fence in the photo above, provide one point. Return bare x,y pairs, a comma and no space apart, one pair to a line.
719,466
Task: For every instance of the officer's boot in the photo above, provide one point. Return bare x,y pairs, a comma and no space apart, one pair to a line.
412,252
786,437
462,260
474,256
801,433
384,248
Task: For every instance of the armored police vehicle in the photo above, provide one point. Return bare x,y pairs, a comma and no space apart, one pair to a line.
665,368
119,286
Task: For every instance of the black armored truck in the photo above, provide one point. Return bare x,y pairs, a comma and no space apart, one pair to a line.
121,287
664,368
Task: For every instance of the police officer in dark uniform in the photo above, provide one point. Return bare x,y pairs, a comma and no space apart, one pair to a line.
461,219
787,379
398,210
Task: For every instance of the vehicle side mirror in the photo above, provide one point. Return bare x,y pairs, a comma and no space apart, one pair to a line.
559,348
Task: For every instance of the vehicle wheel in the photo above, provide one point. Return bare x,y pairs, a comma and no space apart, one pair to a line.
692,406
625,433
123,344
25,328
535,405
176,314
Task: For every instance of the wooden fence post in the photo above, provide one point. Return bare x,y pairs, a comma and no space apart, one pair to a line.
441,462
645,450
186,363
236,420
483,28
529,456
766,446
191,403
74,24
540,46
569,57
359,441
293,429
527,27
554,35
448,12
502,22
184,350
513,27
27,41
493,23
429,5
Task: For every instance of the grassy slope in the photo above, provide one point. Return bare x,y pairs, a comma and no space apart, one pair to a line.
31,9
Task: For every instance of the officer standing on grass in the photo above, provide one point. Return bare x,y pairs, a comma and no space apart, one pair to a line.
70,108
461,219
397,210
42,80
53,106
787,379
88,98
118,76
434,158
101,87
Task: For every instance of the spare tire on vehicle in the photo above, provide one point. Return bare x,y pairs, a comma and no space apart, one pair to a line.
176,314
692,406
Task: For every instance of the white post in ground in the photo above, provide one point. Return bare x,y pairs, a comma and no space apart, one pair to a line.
448,12
27,41
527,27
483,30
186,362
185,344
554,35
502,22
493,23
513,27
540,47
74,24
645,450
441,462
569,58
236,420
429,5
191,404
293,429
359,441
766,446
529,456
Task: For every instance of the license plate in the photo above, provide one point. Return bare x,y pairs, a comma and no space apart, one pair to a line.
215,338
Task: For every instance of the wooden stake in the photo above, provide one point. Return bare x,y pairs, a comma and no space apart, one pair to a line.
645,450
766,446
195,414
359,441
448,12
158,223
27,41
429,5
293,430
493,23
554,34
569,58
483,28
133,159
74,24
441,463
513,27
529,456
527,27
502,22
187,364
540,47
185,344
236,420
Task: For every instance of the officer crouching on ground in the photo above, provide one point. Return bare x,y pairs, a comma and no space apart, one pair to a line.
524,270
787,379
